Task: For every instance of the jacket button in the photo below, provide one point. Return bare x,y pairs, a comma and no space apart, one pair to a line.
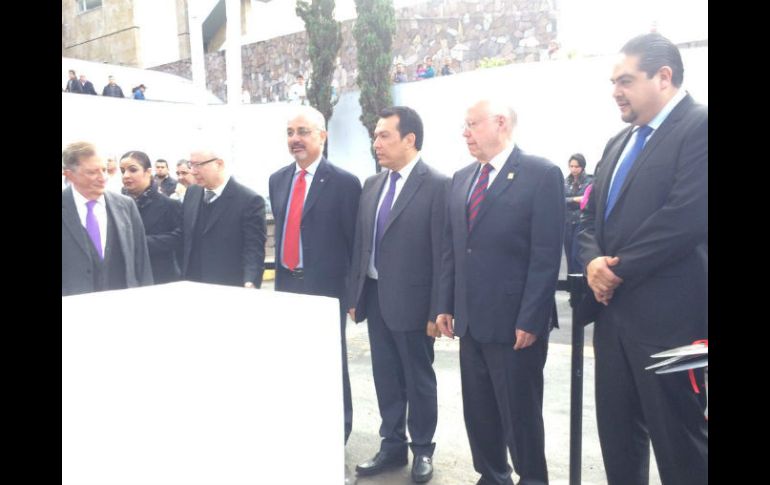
469,251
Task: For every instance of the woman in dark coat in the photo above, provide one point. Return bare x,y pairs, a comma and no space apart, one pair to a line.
574,186
162,217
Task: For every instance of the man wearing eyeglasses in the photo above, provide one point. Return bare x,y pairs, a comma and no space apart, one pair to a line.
505,221
224,226
314,205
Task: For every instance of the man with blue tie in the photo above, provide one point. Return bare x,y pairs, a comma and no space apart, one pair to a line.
394,285
645,241
504,232
314,206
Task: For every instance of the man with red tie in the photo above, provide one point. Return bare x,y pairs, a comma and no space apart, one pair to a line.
314,206
504,232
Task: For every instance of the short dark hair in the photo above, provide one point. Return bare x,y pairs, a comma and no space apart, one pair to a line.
656,51
581,160
160,160
140,157
408,122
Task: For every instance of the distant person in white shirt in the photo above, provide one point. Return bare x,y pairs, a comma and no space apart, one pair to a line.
297,93
114,179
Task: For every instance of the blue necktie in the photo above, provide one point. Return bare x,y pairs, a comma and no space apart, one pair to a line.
625,166
384,214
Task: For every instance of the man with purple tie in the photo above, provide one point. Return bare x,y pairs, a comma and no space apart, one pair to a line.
504,232
103,241
394,284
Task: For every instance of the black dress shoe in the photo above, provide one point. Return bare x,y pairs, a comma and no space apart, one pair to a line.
422,468
382,461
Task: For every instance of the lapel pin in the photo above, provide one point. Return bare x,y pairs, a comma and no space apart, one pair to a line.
510,175
322,180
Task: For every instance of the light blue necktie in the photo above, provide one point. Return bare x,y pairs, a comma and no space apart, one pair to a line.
625,166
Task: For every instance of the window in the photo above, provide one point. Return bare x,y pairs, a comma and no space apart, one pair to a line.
85,5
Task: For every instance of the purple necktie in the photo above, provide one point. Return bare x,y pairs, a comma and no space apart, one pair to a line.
478,194
625,166
384,215
92,226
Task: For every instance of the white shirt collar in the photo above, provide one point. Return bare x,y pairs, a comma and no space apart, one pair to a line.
218,190
407,169
667,109
80,200
311,169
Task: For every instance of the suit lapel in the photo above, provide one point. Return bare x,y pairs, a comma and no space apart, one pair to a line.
411,185
283,186
71,219
369,208
320,180
501,183
221,206
460,200
121,219
656,138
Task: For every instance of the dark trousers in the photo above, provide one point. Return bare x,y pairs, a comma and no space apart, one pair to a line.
290,284
571,248
402,364
503,407
634,406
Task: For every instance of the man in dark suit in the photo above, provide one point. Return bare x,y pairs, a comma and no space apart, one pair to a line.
88,86
314,206
166,183
112,88
645,242
103,246
505,221
393,284
223,227
73,86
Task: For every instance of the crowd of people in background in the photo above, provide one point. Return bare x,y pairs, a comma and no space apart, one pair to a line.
423,70
82,85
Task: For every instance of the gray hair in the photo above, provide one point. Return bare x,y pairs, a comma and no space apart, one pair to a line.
312,114
74,152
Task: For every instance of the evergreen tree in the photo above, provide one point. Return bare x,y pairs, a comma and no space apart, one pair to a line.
324,40
374,31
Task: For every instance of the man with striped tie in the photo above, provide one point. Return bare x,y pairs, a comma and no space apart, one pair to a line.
504,224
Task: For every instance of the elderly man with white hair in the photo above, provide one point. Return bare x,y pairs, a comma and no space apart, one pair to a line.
505,221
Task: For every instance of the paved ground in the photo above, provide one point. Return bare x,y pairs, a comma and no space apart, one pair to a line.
452,459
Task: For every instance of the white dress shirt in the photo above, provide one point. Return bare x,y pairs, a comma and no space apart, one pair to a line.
100,211
310,171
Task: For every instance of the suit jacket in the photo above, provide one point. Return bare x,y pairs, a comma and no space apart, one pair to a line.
502,276
88,88
167,185
659,230
76,260
328,221
162,219
233,240
410,250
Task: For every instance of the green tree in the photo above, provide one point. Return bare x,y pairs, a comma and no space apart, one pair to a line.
324,40
374,31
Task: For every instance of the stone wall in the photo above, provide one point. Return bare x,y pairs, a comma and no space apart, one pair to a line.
467,31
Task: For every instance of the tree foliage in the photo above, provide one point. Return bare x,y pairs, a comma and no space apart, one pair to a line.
324,41
374,31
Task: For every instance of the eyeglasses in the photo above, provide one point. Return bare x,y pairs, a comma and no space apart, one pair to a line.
470,125
194,165
303,132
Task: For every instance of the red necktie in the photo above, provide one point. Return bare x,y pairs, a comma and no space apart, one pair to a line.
477,197
293,221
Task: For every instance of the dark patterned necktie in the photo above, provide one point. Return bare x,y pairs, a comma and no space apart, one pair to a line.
478,194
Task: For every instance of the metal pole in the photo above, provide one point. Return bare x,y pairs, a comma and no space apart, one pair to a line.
576,289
